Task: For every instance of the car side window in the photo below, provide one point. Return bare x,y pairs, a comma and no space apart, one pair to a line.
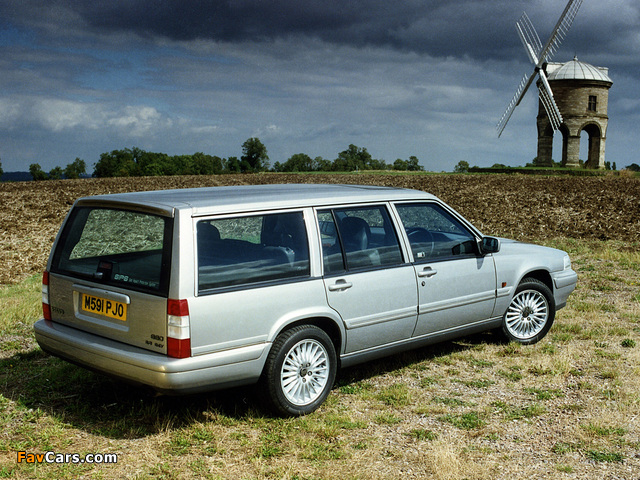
332,256
241,250
355,238
434,233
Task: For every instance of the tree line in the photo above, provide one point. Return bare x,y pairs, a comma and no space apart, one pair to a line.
135,162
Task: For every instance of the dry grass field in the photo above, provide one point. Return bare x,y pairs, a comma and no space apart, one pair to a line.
476,408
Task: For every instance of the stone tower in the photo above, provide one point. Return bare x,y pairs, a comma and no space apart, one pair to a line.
581,92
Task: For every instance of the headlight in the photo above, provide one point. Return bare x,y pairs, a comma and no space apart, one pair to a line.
567,262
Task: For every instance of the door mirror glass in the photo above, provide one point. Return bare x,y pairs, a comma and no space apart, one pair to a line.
489,245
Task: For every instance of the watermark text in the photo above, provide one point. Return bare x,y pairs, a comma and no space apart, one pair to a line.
57,458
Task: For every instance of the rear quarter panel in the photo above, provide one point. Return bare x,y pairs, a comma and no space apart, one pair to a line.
248,316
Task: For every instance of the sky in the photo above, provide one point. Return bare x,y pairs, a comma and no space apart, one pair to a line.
420,78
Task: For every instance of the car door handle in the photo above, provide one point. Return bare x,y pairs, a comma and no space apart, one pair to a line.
340,285
427,272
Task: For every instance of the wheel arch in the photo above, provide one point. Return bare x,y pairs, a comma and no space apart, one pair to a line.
542,275
325,323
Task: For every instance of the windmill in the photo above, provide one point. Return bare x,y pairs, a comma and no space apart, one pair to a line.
540,56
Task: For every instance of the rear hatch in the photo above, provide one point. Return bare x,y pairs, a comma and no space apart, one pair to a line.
109,273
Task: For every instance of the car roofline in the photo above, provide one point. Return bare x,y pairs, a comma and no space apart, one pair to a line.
242,198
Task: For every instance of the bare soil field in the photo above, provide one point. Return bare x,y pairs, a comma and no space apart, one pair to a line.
520,207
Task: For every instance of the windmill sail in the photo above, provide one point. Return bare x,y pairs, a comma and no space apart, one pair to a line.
561,29
529,38
546,97
540,55
515,101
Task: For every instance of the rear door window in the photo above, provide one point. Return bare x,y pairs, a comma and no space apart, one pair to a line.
249,249
116,247
356,238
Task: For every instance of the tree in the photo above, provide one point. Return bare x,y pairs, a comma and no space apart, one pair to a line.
232,165
254,158
353,158
400,165
149,164
461,167
55,173
634,167
322,164
376,164
118,163
75,169
413,164
299,162
216,165
1,171
36,172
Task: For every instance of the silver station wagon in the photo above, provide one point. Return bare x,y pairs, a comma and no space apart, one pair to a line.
200,289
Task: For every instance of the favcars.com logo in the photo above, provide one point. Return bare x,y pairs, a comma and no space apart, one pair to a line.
53,457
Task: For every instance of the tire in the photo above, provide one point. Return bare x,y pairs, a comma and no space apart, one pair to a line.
530,313
300,371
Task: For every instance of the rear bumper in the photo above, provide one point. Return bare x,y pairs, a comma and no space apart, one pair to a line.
564,283
211,371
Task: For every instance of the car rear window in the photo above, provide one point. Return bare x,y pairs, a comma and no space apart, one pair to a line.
116,247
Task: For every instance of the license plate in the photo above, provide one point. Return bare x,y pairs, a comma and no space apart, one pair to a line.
102,306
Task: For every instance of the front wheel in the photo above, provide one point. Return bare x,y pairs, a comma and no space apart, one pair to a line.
530,313
300,370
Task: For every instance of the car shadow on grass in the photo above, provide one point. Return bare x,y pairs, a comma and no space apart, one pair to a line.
97,404
402,360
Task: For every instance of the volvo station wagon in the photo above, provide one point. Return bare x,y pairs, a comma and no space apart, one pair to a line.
281,285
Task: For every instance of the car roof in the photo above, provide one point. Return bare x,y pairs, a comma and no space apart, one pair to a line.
243,198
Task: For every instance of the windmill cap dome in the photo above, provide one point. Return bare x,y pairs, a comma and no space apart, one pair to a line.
576,70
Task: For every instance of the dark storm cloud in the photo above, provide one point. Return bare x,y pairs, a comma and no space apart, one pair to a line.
435,27
218,20
479,29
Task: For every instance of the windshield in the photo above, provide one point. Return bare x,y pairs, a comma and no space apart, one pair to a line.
116,247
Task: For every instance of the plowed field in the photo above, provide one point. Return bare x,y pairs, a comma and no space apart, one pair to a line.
521,207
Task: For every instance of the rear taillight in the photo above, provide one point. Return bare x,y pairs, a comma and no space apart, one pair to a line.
178,331
46,308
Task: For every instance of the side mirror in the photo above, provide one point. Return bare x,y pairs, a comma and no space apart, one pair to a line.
489,245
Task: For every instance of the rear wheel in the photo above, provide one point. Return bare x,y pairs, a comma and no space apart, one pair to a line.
300,370
530,313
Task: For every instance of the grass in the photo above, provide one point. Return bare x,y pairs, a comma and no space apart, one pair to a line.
19,305
465,421
471,408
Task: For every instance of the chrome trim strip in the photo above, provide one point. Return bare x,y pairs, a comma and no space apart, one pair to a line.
369,320
456,302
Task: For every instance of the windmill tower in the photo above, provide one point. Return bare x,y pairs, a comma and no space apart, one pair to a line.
582,94
550,118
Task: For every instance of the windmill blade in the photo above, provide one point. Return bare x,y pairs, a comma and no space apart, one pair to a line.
560,31
540,55
549,103
526,81
529,38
